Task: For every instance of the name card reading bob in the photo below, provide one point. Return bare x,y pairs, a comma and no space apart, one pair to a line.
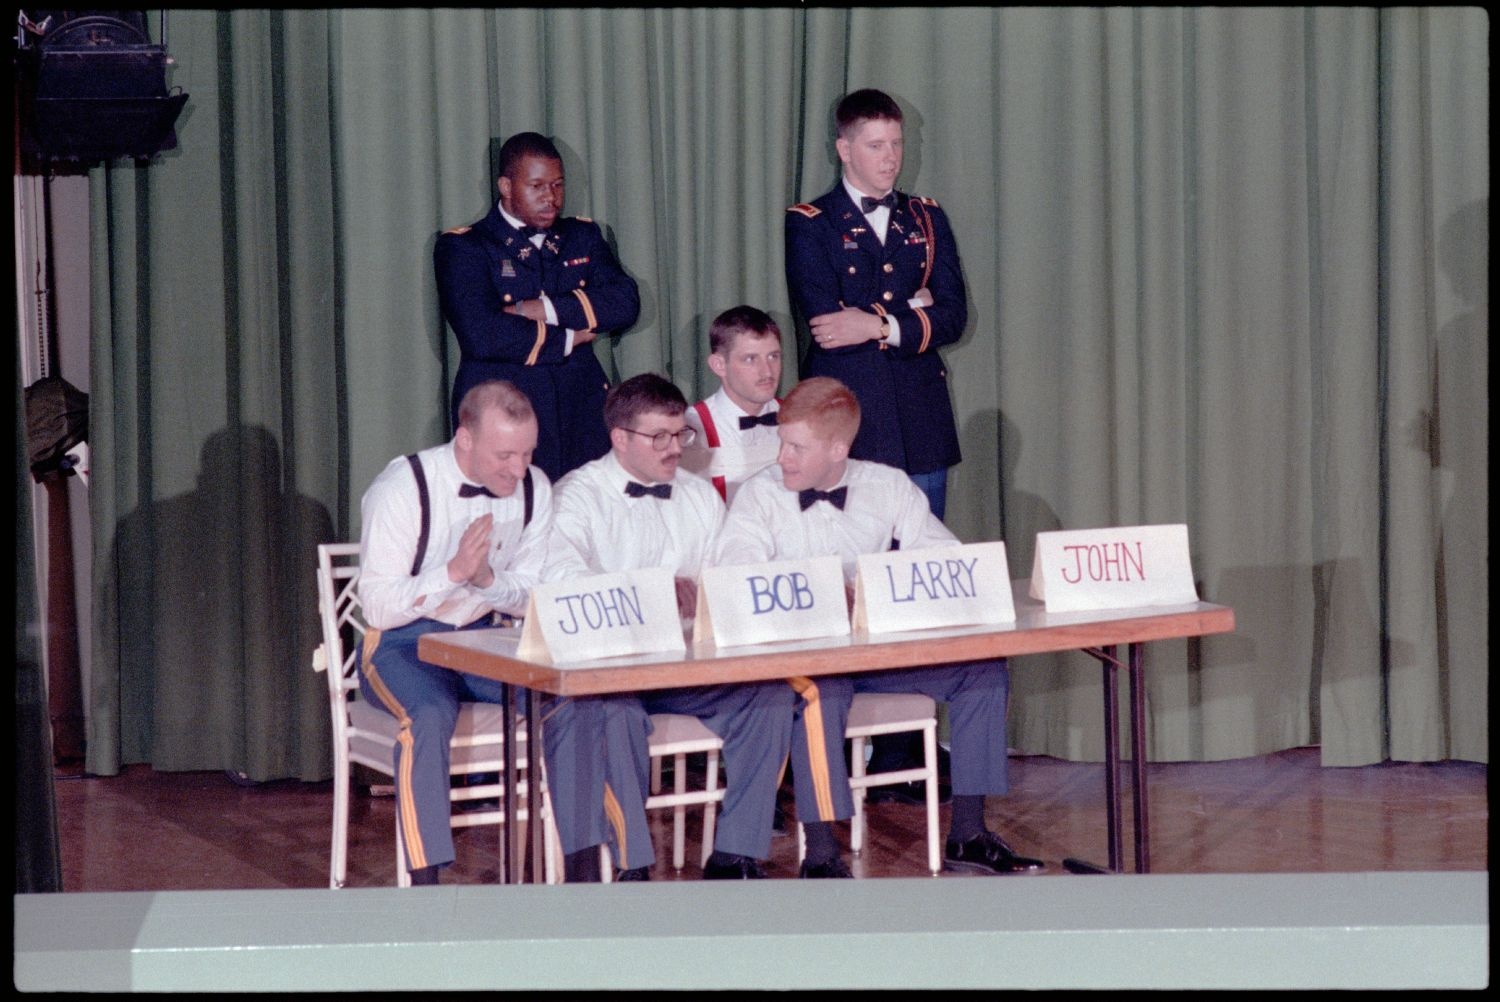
604,616
1117,568
764,603
941,586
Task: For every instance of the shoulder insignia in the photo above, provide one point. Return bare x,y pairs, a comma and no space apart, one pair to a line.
928,201
583,219
807,210
458,230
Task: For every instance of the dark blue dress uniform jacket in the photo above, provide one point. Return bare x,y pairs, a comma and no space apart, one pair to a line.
834,260
483,268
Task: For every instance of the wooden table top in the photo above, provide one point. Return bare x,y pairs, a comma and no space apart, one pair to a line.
492,653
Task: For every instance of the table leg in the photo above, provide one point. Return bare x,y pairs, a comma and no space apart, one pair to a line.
534,784
1113,819
1113,811
508,872
1138,759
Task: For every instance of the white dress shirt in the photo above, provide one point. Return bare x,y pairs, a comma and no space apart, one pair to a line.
391,513
609,531
741,452
767,522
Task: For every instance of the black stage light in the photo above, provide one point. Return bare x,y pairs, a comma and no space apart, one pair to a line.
92,87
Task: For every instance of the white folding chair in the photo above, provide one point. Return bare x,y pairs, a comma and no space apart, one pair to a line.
678,736
366,735
874,713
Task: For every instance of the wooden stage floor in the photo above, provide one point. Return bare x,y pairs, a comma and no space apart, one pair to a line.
1282,813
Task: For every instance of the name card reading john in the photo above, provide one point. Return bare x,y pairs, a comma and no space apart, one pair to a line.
943,586
764,603
1116,568
604,616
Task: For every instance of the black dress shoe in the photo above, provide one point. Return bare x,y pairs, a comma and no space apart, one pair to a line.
987,853
627,876
835,867
911,794
733,868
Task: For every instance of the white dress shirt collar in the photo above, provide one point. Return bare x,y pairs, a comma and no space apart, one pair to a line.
722,402
880,218
536,238
617,476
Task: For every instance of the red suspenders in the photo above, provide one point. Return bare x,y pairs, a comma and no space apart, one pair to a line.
711,436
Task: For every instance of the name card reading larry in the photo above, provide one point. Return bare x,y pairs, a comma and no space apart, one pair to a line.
1116,568
943,586
764,603
604,616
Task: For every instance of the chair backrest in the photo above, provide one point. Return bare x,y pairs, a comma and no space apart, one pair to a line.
343,624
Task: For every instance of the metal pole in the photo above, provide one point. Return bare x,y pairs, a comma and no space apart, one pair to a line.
508,872
534,784
1138,759
1112,762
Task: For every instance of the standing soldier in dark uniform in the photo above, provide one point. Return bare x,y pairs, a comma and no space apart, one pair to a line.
875,272
525,291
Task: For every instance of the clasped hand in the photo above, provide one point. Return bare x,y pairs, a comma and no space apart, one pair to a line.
471,564
536,311
850,326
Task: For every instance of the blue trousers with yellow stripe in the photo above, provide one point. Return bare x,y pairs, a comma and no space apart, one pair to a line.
755,721
425,700
976,693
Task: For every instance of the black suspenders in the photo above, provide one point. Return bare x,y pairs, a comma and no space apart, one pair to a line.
416,469
528,493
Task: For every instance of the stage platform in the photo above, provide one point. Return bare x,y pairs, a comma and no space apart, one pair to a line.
1312,930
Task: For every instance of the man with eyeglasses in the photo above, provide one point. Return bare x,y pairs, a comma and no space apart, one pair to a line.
630,510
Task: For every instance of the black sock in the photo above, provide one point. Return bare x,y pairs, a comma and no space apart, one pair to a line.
968,817
582,867
424,876
889,752
822,846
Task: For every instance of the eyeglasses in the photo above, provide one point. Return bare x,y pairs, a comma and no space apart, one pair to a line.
660,439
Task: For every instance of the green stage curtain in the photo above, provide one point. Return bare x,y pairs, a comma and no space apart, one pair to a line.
1226,268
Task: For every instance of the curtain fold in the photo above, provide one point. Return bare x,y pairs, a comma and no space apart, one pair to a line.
216,424
1225,267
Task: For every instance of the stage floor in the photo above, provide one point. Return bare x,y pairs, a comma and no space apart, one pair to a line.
151,831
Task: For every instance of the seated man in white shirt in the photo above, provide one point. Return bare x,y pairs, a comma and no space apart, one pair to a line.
815,502
453,535
630,510
736,427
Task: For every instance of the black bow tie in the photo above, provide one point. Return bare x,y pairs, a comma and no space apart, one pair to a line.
475,491
635,490
869,205
751,422
835,497
530,231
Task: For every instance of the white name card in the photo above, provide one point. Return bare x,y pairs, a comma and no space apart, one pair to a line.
942,586
603,616
1117,568
764,603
